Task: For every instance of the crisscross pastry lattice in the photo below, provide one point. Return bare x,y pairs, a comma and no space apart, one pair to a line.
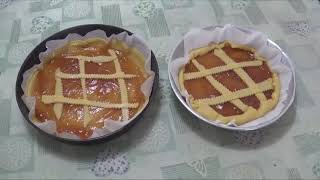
232,103
58,99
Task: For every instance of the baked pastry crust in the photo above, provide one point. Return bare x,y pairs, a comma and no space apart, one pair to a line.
116,56
204,105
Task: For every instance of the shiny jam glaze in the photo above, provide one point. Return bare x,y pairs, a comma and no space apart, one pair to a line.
201,88
71,120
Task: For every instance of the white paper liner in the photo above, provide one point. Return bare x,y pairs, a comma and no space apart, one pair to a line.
109,125
197,38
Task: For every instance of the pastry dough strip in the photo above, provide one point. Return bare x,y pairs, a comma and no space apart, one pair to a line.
57,108
219,69
96,59
94,76
86,118
49,99
123,89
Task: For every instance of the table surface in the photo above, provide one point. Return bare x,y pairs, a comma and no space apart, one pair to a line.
168,142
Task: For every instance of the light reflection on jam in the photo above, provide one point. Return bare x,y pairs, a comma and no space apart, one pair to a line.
98,90
201,88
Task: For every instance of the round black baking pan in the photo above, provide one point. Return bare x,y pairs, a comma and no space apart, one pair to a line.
33,59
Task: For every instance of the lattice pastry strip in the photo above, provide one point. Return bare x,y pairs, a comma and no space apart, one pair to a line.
57,107
219,69
94,76
123,90
96,59
49,99
84,92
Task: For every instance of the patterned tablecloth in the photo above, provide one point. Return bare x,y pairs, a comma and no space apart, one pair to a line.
168,142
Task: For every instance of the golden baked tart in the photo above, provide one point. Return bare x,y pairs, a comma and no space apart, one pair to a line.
88,82
229,83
